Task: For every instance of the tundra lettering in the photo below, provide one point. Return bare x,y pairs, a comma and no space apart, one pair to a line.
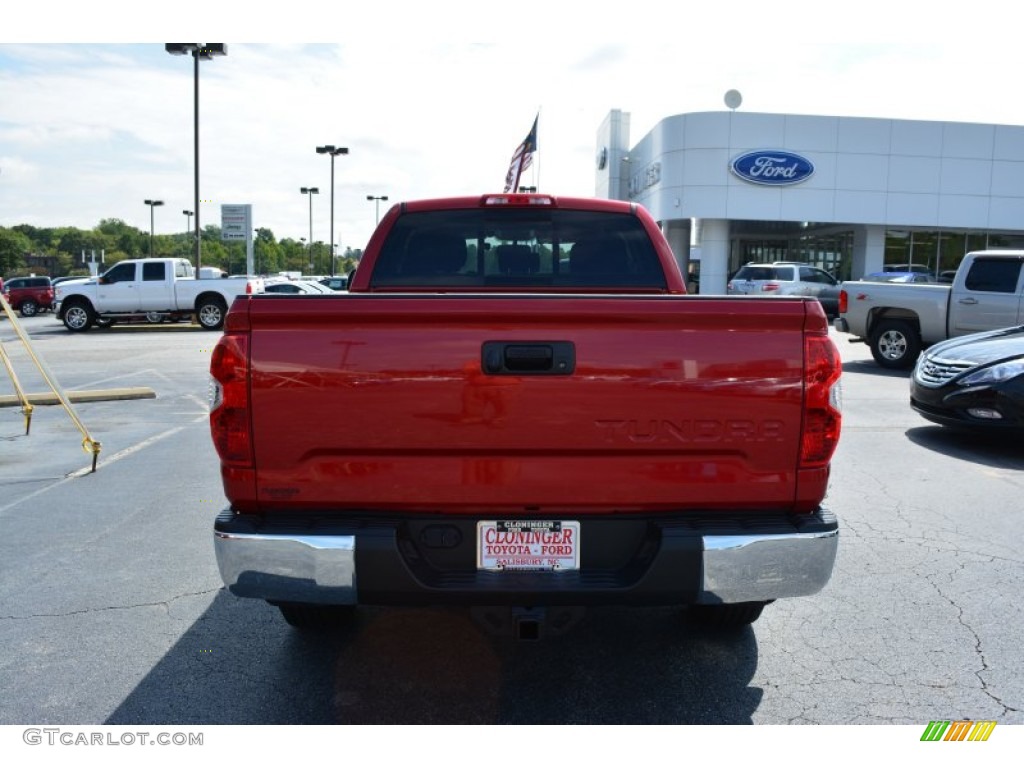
686,431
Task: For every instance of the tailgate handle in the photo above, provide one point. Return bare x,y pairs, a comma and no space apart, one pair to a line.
528,358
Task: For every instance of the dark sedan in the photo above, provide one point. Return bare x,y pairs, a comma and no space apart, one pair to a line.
972,381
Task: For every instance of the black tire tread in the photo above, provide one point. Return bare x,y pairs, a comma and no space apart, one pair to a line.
728,617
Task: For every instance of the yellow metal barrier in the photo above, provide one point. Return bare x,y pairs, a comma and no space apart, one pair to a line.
89,445
26,406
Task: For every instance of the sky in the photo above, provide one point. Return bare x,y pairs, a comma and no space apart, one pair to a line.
432,99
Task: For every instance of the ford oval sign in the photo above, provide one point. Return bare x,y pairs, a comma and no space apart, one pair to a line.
775,168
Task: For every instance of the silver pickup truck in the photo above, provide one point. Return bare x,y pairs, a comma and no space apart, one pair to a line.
899,320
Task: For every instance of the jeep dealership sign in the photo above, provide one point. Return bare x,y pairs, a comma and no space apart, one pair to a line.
236,222
772,167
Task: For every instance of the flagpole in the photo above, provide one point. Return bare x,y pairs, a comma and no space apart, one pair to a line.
536,168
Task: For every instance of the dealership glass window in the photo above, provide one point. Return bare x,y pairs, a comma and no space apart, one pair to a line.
942,251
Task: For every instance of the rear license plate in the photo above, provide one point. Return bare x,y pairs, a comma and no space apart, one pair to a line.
528,545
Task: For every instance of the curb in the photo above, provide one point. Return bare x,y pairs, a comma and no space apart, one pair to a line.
81,396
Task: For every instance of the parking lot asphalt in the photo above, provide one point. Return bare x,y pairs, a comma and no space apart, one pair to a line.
101,373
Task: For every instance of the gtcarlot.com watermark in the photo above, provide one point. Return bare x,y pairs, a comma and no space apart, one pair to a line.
53,737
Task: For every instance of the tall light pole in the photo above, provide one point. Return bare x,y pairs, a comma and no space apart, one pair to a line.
376,204
152,204
333,151
310,191
199,51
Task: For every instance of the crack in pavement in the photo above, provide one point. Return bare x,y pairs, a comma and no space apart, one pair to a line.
978,645
165,604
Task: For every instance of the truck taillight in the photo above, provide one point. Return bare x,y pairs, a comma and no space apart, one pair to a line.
844,302
229,406
822,402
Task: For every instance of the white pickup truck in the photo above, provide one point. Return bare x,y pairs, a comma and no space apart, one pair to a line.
899,319
154,287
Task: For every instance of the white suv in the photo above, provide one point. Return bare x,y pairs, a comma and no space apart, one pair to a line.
787,278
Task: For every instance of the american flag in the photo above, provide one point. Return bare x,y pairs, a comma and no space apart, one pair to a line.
522,158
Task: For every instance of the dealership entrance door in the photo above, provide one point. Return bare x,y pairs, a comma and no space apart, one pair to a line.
826,246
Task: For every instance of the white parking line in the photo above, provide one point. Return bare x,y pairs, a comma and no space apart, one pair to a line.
103,462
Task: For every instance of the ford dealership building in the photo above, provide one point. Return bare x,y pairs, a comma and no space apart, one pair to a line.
847,194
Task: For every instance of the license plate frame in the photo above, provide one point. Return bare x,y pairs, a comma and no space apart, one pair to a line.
528,545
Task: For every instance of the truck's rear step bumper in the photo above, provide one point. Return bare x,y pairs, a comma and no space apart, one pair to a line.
667,560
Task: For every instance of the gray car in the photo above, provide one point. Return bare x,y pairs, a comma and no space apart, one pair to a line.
787,278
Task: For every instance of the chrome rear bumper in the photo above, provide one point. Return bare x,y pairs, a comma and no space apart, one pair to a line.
727,568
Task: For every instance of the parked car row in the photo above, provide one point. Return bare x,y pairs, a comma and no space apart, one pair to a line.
31,295
306,287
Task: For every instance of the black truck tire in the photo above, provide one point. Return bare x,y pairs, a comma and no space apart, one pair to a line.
78,316
728,617
317,618
210,312
895,344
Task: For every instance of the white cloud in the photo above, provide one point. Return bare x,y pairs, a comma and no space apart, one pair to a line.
432,99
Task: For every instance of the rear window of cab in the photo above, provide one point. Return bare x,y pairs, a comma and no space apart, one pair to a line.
766,272
518,248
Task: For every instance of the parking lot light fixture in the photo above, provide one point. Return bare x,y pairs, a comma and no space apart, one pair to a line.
376,204
333,151
152,204
310,191
199,52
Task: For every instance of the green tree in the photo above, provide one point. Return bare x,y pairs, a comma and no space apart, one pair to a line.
13,248
73,241
266,252
123,237
295,257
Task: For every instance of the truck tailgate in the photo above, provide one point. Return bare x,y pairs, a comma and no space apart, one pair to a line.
378,402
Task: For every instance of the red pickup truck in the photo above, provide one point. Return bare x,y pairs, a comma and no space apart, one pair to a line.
516,408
